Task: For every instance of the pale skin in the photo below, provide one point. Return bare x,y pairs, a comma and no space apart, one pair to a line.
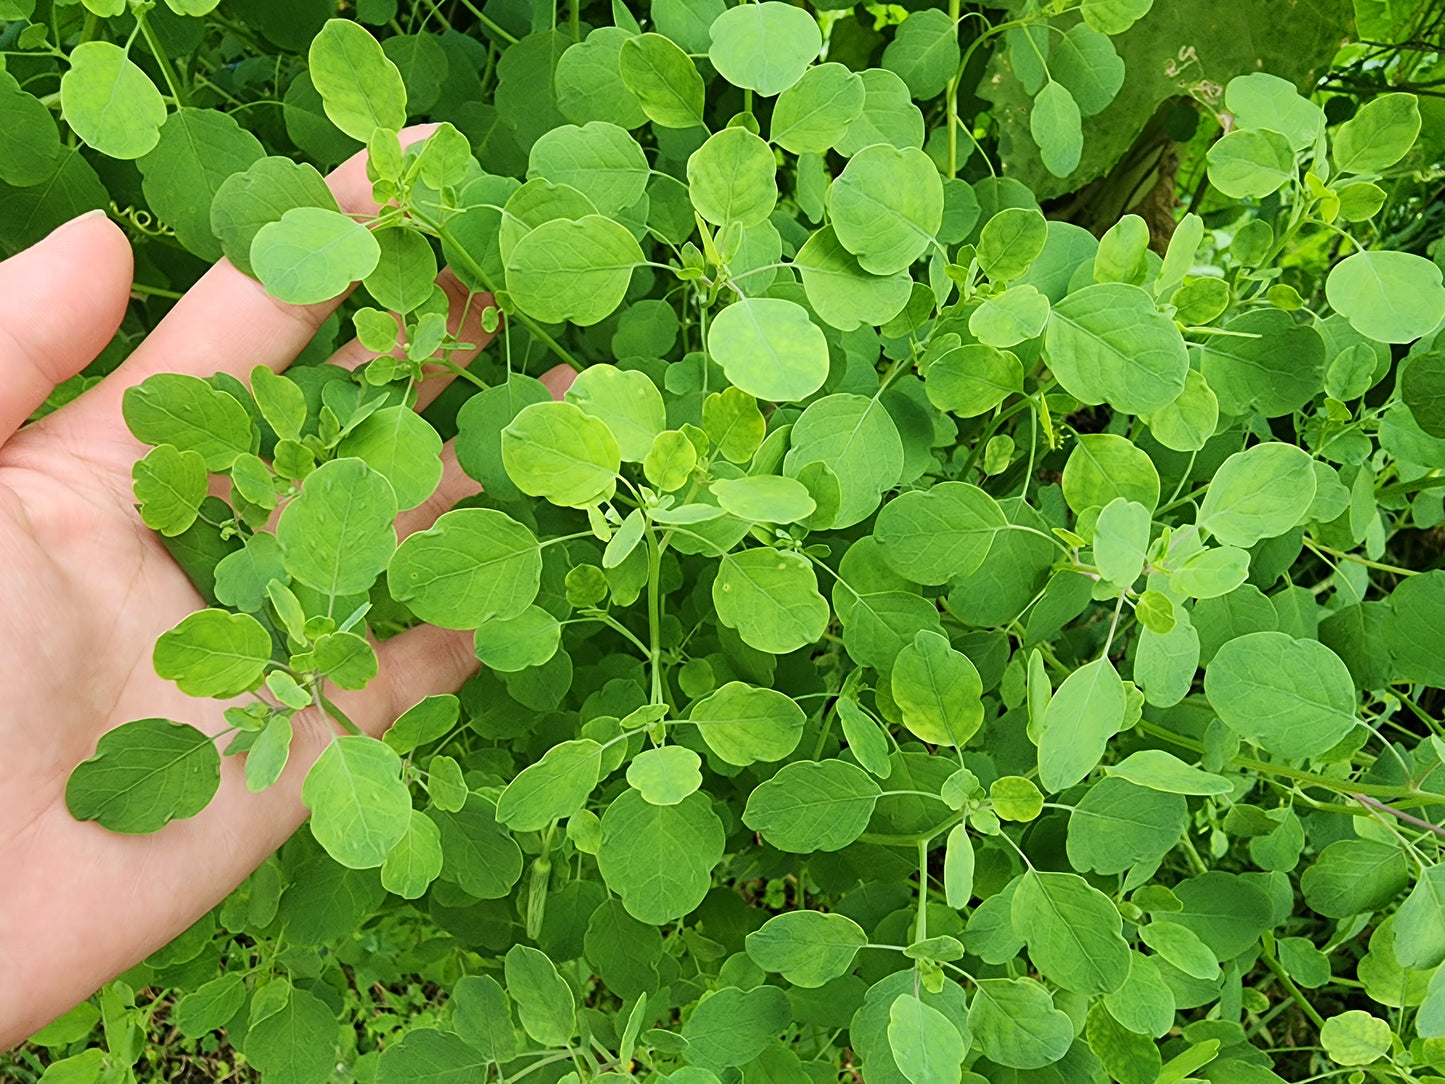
87,589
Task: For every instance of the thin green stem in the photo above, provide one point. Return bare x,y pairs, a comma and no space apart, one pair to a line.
509,38
1321,549
1288,983
153,43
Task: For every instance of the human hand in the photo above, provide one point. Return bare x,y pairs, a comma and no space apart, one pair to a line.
88,588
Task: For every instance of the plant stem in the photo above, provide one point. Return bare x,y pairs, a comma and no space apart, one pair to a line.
951,98
654,613
1340,555
153,43
1288,983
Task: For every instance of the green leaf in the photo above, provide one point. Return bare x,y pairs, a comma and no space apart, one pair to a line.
428,1056
1158,770
812,806
402,447
924,52
764,498
771,597
808,948
1268,362
545,1004
1352,876
186,412
553,787
599,159
1121,541
210,1006
143,775
731,178
1129,1057
958,867
659,858
1085,712
577,271
732,1027
1118,824
865,739
1181,948
940,534
1223,910
1087,64
1056,125
482,1015
840,291
1010,242
214,653
471,566
744,724
925,1044
764,47
1293,697
1380,133
1357,1037
198,150
1072,931
360,808
769,348
361,89
1251,164
733,423
858,441
889,115
266,759
170,486
886,206
663,79
296,1043
416,860
338,535
626,401
665,776
312,254
30,141
1015,1023
1258,493
404,273
972,380
589,80
511,644
1411,629
1391,297
1009,318
938,690
1108,343
812,115
477,853
1261,100
1422,388
1420,922
111,104
558,451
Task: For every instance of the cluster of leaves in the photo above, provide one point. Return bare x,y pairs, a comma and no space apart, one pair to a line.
843,625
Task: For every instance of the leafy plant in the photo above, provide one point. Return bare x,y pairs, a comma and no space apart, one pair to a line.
843,624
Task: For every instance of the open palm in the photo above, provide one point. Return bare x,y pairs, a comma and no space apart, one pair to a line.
87,589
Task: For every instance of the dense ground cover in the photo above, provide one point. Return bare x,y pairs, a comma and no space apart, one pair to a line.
976,615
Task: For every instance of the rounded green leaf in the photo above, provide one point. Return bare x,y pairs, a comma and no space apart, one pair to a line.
744,724
599,159
1378,135
889,115
214,653
1391,297
1258,493
815,112
110,103
558,451
808,948
170,486
312,254
842,294
665,776
339,534
1084,713
627,401
144,774
1072,931
512,644
1293,697
1250,164
812,806
659,858
244,202
360,808
855,438
886,207
935,535
938,690
1015,1023
764,498
771,597
924,52
1105,466
1057,127
731,178
1357,1037
589,80
1261,100
578,271
416,860
405,272
1108,343
473,565
29,139
764,47
663,79
361,89
972,380
551,788
769,348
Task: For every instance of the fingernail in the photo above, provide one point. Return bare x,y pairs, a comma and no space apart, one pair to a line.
94,213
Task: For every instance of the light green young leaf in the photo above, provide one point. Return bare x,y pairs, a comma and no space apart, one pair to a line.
1085,712
659,858
186,412
1057,127
626,401
764,47
1121,541
764,498
170,486
416,860
1391,297
808,948
1251,164
938,690
1072,931
403,448
771,597
471,566
338,535
857,439
1261,100
361,89
558,451
110,102
1258,493
1378,135
1016,1024
663,79
552,787
666,775
360,808
312,254
812,806
925,1044
769,348
731,178
213,653
886,206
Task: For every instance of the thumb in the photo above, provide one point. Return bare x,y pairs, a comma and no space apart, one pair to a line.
61,300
